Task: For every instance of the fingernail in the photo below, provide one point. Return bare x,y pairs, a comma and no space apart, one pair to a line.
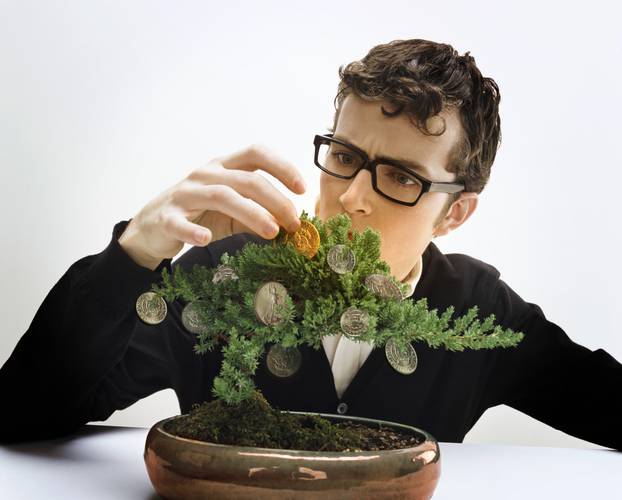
294,227
200,236
271,228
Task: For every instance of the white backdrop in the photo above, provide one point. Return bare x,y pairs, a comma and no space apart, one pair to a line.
105,104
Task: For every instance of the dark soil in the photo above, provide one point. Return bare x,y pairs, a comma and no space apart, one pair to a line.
255,423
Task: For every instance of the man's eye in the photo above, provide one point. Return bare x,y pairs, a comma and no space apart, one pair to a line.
344,158
403,179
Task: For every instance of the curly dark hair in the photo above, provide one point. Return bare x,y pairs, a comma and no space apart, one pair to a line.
422,78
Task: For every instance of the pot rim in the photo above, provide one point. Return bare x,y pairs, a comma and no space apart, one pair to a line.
429,439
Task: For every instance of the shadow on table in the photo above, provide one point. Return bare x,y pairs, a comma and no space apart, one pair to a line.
153,496
64,447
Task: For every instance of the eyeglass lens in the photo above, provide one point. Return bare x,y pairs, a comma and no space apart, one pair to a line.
392,181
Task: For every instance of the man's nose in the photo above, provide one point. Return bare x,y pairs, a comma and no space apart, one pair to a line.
356,198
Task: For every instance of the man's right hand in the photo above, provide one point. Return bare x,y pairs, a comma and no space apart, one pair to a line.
224,197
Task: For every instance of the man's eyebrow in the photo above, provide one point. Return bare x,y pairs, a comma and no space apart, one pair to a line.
413,165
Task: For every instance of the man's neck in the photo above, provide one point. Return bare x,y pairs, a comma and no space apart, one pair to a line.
412,278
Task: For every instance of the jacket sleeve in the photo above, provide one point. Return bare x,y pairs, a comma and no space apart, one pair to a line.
86,353
552,378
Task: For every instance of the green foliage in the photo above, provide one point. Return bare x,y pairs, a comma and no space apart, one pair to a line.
317,298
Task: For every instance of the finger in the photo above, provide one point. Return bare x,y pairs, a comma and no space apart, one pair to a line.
183,230
257,157
256,187
250,185
225,199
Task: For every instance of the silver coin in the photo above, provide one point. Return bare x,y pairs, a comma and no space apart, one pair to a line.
151,308
404,362
191,319
283,361
224,273
383,286
268,298
341,259
354,322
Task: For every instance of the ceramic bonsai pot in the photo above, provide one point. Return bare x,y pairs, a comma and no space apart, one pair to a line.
191,469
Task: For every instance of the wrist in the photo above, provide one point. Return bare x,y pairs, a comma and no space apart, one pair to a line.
132,243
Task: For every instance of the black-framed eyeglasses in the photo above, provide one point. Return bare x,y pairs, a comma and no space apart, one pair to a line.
390,179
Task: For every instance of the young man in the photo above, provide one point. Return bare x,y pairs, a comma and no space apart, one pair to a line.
415,134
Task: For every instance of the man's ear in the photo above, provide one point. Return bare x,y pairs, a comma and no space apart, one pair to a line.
458,213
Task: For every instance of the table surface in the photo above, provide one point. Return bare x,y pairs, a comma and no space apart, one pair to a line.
107,462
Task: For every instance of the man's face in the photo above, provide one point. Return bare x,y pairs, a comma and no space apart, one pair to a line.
405,231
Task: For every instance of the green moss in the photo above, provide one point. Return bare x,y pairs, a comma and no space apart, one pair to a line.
253,422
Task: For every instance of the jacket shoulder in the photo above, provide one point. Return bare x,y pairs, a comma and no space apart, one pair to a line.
457,268
472,267
455,279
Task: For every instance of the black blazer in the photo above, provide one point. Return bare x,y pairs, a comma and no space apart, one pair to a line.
87,354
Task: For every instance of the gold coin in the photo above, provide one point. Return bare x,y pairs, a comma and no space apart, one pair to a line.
306,239
151,308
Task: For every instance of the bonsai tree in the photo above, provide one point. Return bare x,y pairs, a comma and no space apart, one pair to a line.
321,280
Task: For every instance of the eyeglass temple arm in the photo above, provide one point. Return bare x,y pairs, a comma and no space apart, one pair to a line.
445,187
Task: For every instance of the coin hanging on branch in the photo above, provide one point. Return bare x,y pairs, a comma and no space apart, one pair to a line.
191,319
383,286
354,322
268,298
341,259
224,273
151,308
283,361
306,239
402,361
